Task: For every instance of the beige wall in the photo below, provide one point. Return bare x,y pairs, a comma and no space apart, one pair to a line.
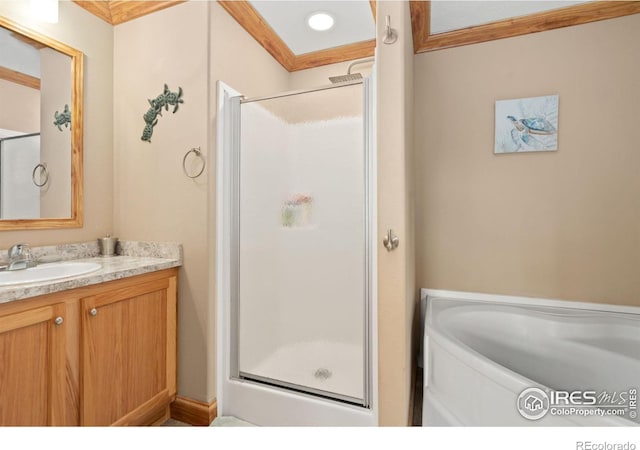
397,294
328,105
24,113
94,37
331,103
323,105
55,150
154,199
319,76
562,224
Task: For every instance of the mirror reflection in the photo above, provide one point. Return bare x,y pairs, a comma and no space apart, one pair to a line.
35,129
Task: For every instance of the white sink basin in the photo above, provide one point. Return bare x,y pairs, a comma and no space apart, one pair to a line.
47,272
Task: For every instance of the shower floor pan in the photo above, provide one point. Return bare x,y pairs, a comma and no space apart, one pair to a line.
325,369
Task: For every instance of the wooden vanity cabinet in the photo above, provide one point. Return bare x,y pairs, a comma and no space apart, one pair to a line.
95,356
32,367
126,338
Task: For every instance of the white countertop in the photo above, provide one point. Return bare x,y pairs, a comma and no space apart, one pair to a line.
113,268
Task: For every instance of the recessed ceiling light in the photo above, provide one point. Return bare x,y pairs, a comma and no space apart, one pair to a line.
320,21
45,10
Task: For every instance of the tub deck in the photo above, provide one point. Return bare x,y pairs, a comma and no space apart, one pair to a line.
482,352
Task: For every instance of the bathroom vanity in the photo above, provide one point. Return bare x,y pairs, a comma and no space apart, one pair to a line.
94,350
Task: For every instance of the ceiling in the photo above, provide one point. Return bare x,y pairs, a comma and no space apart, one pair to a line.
18,55
353,23
455,15
279,26
263,31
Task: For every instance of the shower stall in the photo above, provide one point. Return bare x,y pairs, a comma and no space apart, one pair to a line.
296,256
19,160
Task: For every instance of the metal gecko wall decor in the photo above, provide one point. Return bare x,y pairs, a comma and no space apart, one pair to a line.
164,100
63,118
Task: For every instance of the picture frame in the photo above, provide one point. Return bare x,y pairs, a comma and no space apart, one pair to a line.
525,125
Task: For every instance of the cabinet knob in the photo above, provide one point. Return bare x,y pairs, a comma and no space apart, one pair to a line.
58,320
93,312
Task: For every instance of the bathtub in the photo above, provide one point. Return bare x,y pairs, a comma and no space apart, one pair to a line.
482,352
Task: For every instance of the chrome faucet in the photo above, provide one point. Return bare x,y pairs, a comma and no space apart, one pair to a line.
20,257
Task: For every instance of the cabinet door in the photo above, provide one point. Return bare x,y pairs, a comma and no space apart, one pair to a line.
125,344
32,367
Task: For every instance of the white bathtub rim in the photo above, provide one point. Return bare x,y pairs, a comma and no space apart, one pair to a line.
452,343
485,366
498,374
480,362
433,396
527,301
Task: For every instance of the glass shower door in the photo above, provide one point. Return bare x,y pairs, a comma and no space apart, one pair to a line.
301,296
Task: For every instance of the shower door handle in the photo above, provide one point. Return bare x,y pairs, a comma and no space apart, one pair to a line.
391,241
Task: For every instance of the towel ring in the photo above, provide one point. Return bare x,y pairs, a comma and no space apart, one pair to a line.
43,170
198,153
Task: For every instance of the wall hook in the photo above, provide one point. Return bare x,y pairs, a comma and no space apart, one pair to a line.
390,34
390,241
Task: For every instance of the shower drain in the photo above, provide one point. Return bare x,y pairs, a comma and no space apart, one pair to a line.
322,374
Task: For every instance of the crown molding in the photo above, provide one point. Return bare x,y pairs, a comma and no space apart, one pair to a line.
117,12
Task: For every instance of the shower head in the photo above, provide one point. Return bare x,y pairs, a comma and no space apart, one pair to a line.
348,77
351,76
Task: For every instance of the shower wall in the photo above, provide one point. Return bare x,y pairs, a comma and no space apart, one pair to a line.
287,299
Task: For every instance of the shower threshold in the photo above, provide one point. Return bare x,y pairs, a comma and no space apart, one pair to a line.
302,389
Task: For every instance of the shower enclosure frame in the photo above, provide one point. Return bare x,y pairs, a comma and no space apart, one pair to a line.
275,405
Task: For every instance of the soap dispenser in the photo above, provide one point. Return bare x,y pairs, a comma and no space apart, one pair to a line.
107,245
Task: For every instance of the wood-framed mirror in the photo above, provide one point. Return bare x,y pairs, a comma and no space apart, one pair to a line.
41,131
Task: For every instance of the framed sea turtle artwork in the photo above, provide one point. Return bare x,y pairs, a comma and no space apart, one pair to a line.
527,125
